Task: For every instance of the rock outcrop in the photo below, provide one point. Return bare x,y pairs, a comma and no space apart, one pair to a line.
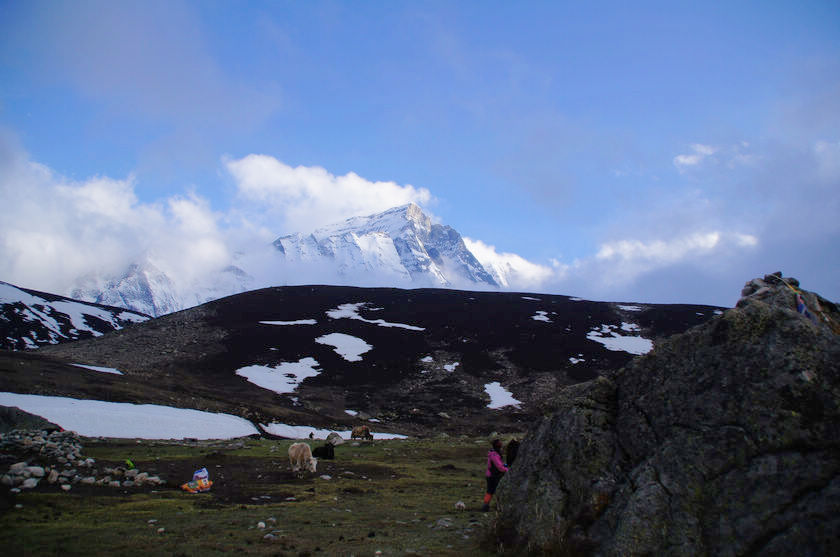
724,440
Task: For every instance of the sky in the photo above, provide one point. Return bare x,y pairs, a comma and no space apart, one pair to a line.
641,152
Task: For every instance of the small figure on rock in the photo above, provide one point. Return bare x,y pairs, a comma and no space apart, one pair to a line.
495,470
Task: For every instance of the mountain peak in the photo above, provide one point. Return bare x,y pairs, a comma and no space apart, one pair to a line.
401,244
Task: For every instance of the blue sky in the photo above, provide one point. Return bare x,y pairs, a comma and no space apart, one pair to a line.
652,151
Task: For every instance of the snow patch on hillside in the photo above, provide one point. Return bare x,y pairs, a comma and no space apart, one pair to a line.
499,396
100,369
351,311
608,336
303,431
541,316
98,418
283,378
348,347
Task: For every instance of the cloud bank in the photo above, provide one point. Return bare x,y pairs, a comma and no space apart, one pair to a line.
695,245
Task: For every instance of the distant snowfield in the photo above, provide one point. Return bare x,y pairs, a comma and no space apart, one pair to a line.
499,396
351,311
348,347
283,378
611,340
100,369
302,432
298,322
98,418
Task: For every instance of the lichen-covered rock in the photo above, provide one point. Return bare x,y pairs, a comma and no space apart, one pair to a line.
724,440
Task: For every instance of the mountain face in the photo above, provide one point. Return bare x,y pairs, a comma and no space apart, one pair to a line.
400,247
405,361
722,440
146,289
401,243
29,319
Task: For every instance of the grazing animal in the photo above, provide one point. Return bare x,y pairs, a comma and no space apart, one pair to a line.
511,450
334,439
300,458
361,432
326,451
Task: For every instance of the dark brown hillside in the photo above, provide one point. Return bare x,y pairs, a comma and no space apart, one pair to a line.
410,380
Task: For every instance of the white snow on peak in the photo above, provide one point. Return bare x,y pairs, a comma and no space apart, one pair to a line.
97,418
348,347
499,396
283,378
100,369
391,223
541,316
351,311
298,322
608,336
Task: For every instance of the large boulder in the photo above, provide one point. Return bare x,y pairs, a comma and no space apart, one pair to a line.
724,440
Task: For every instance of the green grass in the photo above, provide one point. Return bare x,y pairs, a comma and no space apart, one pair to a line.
392,501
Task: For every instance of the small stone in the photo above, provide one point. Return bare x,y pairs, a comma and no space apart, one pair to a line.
326,477
66,487
53,477
261,525
161,530
29,483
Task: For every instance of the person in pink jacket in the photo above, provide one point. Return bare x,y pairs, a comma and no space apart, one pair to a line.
495,470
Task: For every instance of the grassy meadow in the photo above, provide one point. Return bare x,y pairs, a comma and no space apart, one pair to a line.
393,496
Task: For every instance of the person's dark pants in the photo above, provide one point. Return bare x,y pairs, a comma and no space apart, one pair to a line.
492,484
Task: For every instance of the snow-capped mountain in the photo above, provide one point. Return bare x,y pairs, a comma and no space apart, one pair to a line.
401,244
400,247
31,319
147,289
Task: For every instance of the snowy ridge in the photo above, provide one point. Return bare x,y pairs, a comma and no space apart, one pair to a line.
400,247
38,318
401,244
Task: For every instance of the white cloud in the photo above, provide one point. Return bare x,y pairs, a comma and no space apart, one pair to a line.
510,270
664,251
699,154
306,197
58,229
